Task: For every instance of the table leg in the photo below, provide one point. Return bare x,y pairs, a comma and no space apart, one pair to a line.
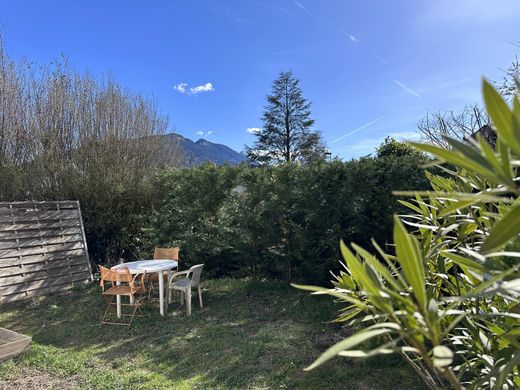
118,300
161,293
168,290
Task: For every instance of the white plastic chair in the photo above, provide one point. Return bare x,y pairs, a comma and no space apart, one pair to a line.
185,285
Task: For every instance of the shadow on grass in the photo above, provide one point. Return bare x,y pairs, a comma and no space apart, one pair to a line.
250,334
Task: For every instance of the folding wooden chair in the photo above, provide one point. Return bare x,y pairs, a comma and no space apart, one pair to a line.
162,254
115,277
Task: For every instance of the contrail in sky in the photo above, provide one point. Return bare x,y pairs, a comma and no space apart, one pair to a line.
356,130
302,7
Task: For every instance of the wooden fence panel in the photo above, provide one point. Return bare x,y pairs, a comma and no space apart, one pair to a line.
42,249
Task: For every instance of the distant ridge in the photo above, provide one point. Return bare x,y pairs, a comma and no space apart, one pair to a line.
201,151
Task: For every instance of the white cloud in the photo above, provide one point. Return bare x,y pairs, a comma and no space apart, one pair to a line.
302,7
183,88
406,89
253,130
348,35
203,134
180,87
208,87
353,38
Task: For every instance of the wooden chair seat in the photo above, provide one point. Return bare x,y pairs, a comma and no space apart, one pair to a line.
131,289
124,290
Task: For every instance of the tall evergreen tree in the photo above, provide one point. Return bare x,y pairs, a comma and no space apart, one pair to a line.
286,134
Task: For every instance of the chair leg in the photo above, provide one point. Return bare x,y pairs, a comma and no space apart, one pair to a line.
200,296
137,309
150,290
109,304
188,301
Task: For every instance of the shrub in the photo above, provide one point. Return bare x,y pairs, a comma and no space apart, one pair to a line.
280,221
447,301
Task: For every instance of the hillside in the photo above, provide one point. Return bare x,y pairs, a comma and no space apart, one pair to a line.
203,150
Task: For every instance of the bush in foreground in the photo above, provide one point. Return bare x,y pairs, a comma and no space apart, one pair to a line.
448,300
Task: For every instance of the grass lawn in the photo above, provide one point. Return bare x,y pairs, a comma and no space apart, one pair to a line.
250,334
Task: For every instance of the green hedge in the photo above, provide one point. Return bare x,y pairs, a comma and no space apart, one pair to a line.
280,221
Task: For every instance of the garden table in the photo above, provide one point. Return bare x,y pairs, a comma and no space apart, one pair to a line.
157,266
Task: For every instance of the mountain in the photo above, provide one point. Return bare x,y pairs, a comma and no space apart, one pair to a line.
201,151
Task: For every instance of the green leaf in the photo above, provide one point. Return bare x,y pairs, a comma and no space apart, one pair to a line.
410,206
505,155
505,370
469,151
457,159
503,231
378,267
501,115
457,205
464,262
389,262
461,196
486,287
348,343
411,262
331,292
502,170
383,350
358,271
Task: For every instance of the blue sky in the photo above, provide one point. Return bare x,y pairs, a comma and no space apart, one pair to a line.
371,68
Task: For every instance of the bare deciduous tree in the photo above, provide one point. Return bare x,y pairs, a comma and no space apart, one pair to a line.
510,85
61,130
459,125
68,135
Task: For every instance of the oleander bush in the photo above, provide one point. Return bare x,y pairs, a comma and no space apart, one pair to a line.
447,298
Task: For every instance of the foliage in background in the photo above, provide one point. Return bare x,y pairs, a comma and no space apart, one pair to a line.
66,135
287,133
447,301
281,221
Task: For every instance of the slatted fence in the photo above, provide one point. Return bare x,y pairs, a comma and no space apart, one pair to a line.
42,249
